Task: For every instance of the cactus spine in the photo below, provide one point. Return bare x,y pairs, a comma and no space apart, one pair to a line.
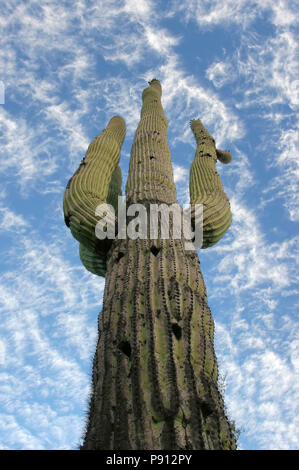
154,379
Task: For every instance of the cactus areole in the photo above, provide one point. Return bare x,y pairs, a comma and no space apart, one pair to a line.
155,374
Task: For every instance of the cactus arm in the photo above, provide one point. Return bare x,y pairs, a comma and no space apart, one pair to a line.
96,262
96,181
224,156
206,188
89,185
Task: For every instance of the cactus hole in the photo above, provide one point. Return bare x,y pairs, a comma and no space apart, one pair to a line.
177,330
119,256
155,250
125,347
206,409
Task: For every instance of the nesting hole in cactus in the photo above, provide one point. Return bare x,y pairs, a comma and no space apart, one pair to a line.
120,256
125,347
177,330
155,250
152,157
206,409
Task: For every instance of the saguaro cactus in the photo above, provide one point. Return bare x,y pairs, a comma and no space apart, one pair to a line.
154,380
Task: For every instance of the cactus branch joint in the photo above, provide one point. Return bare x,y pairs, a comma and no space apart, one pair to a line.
155,373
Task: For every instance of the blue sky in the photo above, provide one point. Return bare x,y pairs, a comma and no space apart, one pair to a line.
66,68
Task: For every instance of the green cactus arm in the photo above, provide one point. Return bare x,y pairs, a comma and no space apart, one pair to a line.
96,262
89,185
150,173
206,188
224,156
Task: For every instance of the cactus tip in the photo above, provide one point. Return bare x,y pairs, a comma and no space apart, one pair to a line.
153,80
224,156
192,121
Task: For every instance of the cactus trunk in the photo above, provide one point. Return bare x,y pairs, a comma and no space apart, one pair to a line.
154,380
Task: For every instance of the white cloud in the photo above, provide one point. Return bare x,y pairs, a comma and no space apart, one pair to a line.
255,343
45,303
129,52
211,13
21,146
275,90
220,73
180,173
259,61
17,436
160,40
262,385
2,352
184,99
283,12
122,99
247,282
143,9
181,180
36,427
9,221
239,173
247,259
286,184
67,121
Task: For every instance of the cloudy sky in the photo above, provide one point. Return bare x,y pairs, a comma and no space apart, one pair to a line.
66,67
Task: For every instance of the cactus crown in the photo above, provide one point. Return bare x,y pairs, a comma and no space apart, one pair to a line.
153,80
199,131
154,88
